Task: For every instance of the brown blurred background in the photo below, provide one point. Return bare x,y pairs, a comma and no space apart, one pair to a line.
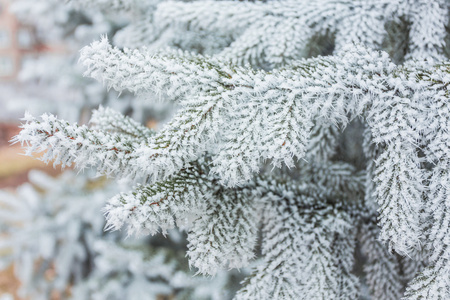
17,43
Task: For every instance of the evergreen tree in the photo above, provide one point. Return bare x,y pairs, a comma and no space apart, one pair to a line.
53,235
325,124
52,228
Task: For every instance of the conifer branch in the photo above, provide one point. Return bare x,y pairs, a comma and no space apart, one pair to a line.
109,120
297,242
427,33
162,205
142,71
65,144
224,236
289,99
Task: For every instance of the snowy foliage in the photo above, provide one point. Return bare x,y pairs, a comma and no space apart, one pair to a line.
50,227
138,271
53,78
53,235
258,141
